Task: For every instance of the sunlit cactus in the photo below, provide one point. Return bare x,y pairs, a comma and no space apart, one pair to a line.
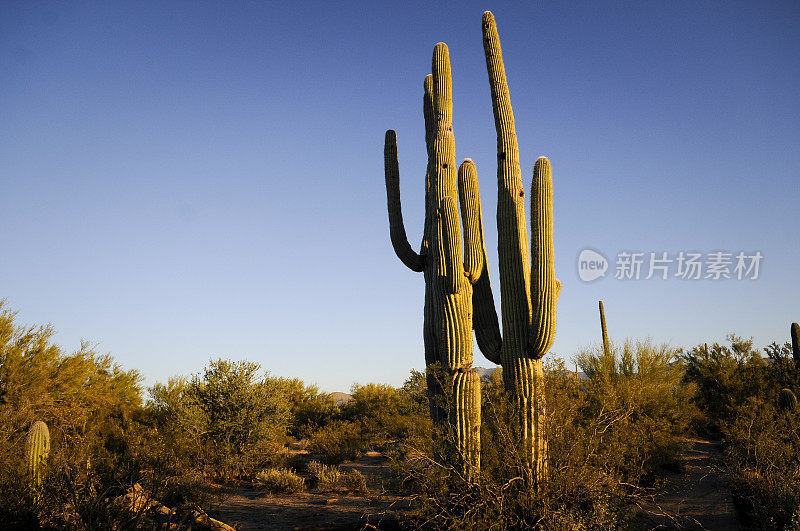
449,270
529,289
606,343
37,448
787,401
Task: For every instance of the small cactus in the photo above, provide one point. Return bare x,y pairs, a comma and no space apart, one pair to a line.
787,401
37,448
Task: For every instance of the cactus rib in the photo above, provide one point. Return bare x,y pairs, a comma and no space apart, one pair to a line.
37,449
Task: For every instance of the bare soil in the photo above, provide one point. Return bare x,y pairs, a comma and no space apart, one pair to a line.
250,509
697,497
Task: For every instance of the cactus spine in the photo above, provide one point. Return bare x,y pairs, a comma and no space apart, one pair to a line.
787,401
606,343
37,448
528,288
449,273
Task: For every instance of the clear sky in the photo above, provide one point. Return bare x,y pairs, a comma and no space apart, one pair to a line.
187,180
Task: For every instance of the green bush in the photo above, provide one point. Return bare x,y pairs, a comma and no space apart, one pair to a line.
384,413
339,441
762,452
726,377
279,481
738,393
229,422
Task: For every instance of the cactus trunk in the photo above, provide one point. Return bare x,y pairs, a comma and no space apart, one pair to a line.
795,332
528,288
449,270
37,448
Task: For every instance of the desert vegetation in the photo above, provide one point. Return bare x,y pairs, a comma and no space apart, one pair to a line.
84,444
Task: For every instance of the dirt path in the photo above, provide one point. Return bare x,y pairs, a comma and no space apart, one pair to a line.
696,498
251,510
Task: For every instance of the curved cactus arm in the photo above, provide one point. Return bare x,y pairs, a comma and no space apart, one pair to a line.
430,129
397,231
512,240
545,288
606,342
485,322
449,261
795,331
470,201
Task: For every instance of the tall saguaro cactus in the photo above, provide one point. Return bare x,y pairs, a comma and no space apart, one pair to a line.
529,289
606,342
795,332
449,273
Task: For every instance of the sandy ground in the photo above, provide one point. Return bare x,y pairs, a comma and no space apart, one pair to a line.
250,509
696,498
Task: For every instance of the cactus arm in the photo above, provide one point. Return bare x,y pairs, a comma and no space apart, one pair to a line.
470,201
442,169
485,322
545,288
397,231
512,241
449,263
430,128
795,331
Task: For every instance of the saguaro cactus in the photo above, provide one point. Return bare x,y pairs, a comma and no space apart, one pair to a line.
528,288
37,448
449,274
606,343
786,401
795,331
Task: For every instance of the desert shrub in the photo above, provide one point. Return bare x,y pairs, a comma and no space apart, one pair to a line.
636,400
339,441
355,482
726,376
608,435
384,413
738,393
310,409
326,476
279,481
762,452
229,422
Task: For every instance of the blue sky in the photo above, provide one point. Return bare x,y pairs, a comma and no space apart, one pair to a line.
187,180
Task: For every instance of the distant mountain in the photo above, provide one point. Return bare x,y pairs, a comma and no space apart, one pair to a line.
341,398
484,373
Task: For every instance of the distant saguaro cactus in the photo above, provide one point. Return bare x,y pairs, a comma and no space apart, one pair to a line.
794,330
449,274
529,289
37,448
787,401
606,343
